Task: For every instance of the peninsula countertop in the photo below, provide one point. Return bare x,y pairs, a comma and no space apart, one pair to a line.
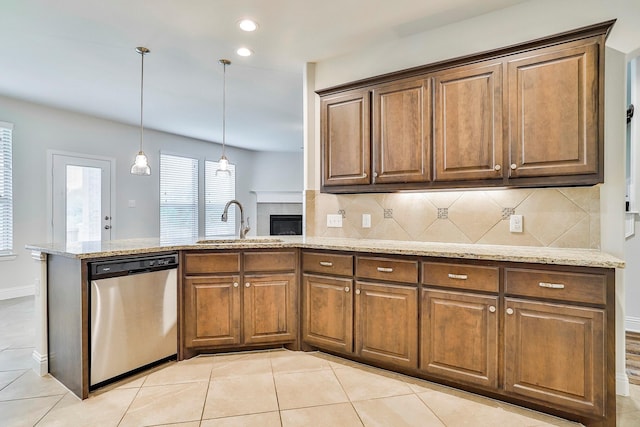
527,254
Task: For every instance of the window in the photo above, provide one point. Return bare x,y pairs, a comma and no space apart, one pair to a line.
6,189
178,197
219,189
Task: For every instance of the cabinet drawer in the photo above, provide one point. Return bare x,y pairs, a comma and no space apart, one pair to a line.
207,263
394,270
270,261
325,263
564,286
461,276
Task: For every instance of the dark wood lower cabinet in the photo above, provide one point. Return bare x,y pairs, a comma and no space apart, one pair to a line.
387,323
459,336
555,353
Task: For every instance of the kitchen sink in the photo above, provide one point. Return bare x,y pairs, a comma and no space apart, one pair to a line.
237,240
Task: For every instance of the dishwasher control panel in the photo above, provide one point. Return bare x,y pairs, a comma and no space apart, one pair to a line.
132,265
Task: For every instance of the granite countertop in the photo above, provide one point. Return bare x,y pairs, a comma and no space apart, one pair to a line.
529,254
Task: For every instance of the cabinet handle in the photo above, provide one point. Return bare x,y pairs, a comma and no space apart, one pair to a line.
326,264
246,285
514,166
492,309
235,284
509,310
365,175
457,276
385,269
375,174
497,167
346,289
357,291
551,285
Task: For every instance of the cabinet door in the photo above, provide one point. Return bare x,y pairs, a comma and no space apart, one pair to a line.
387,323
328,313
346,139
402,132
553,111
212,311
269,308
468,123
555,353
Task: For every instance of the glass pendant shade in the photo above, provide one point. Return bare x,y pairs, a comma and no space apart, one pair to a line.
223,163
141,165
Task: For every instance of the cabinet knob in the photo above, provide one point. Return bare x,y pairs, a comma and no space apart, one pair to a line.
346,289
492,309
509,310
235,284
246,285
375,174
514,166
365,175
497,167
107,227
357,291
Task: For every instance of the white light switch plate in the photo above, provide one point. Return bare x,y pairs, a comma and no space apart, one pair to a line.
334,220
366,220
515,223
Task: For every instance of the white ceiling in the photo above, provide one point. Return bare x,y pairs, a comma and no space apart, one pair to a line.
80,55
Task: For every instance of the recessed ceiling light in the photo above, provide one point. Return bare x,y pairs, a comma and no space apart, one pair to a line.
244,51
248,25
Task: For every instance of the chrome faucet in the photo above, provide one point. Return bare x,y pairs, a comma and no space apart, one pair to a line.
243,230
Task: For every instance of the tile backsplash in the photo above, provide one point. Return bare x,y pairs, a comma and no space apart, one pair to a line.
554,217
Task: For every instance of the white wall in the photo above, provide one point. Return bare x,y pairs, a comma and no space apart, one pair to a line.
38,129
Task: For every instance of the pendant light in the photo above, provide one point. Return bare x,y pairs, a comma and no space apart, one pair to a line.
141,164
223,163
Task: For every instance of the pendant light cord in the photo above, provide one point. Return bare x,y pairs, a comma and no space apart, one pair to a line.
224,103
142,53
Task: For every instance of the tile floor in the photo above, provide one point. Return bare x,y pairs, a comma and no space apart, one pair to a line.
274,388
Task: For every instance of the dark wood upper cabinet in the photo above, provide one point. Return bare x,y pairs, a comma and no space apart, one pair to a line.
345,133
402,131
468,117
553,111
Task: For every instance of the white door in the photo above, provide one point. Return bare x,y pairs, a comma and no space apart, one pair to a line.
81,198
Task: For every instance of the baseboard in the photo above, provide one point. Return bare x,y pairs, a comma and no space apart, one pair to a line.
40,363
622,384
632,324
17,292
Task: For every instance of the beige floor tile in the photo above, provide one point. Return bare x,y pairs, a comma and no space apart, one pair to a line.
229,396
360,384
180,372
312,388
8,377
102,410
628,419
30,385
187,424
627,403
25,412
175,403
341,414
248,365
15,359
396,411
265,419
297,362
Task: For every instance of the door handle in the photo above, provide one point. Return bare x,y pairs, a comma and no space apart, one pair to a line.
107,227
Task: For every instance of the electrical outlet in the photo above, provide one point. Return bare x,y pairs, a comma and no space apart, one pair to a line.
366,220
334,220
515,223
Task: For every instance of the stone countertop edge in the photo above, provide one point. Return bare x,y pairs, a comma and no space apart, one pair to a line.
525,254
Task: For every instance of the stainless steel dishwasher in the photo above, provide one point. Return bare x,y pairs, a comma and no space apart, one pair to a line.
133,315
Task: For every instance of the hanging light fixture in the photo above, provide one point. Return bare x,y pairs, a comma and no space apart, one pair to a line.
141,164
223,163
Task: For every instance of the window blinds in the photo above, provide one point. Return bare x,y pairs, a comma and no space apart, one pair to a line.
6,189
219,189
178,197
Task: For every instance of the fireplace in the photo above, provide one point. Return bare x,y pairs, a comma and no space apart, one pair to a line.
285,225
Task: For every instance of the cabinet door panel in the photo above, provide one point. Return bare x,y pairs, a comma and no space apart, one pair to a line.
345,138
460,336
387,323
269,308
556,353
328,313
212,315
468,123
553,112
402,131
